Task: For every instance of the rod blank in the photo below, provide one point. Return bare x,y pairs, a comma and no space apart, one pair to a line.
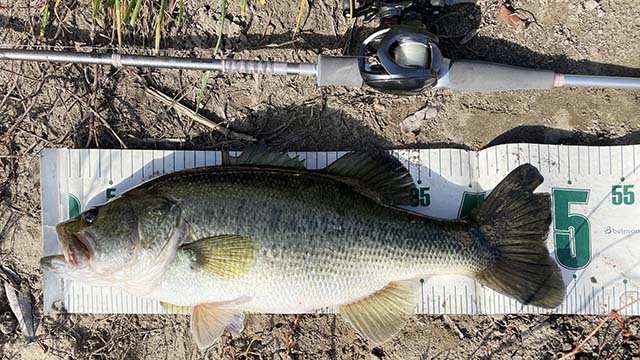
602,82
117,60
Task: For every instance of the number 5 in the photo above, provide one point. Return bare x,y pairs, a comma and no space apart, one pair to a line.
572,232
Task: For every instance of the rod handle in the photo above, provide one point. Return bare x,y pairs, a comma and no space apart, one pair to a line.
483,77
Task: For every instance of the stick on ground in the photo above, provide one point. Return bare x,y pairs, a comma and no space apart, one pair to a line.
183,110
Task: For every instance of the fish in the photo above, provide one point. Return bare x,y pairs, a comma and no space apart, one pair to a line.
260,233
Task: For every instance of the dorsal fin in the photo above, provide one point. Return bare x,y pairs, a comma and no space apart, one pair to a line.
262,155
377,175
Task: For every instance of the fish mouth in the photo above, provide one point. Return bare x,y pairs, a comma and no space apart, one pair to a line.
53,263
77,248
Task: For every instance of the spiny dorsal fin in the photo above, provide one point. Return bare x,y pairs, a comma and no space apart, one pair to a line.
380,316
175,309
225,256
377,175
262,155
209,321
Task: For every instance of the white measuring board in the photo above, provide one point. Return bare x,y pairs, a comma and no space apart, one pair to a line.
595,235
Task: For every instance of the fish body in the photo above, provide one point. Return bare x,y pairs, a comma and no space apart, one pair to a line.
318,243
266,235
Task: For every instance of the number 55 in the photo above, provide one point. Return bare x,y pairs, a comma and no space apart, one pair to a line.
626,196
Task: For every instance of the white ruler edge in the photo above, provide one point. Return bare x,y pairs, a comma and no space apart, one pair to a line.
443,176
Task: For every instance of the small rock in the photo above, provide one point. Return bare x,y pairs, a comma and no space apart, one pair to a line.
8,324
410,126
378,352
567,347
591,5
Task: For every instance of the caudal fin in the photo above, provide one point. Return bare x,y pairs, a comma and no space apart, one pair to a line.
515,222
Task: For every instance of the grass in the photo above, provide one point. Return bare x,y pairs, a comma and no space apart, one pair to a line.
128,11
123,12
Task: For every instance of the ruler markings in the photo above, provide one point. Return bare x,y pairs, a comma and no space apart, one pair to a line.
559,158
599,162
507,152
621,162
453,301
633,150
460,162
548,158
539,159
450,162
610,163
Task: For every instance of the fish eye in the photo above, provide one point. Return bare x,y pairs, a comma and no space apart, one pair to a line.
90,216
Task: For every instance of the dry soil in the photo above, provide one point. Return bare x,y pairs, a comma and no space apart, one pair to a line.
45,105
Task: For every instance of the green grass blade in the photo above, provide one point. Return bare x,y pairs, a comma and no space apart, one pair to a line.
203,86
128,10
136,11
180,12
303,4
45,19
205,77
223,15
243,7
163,6
96,8
119,22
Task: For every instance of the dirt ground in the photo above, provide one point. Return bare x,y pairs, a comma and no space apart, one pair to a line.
86,107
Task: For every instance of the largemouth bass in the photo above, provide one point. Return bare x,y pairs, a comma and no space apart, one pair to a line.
261,233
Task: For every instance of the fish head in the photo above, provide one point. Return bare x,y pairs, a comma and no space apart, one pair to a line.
127,242
99,240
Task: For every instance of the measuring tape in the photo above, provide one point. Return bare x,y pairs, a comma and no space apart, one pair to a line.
595,234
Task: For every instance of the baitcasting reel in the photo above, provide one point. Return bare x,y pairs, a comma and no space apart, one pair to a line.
401,57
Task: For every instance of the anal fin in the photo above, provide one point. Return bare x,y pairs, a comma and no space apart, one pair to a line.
380,316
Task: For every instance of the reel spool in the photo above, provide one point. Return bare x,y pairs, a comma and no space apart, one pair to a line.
400,59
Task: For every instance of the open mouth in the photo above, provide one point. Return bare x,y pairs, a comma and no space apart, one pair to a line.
76,248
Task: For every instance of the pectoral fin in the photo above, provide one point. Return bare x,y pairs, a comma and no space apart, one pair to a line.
225,256
380,316
209,321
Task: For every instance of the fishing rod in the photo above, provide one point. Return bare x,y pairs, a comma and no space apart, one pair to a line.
400,57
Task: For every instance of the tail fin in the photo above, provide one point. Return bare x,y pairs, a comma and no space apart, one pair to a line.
515,222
